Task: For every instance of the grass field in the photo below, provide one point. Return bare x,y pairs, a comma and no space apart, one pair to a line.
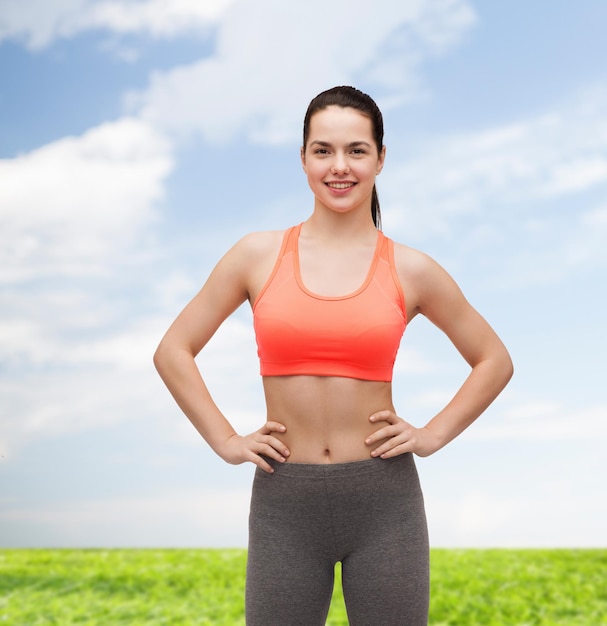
183,587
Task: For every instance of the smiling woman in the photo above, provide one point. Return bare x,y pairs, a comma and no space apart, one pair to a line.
336,479
341,168
337,117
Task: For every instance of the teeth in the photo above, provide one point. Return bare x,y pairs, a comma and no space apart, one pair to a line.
340,185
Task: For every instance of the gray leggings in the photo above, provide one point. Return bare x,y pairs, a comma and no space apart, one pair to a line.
367,514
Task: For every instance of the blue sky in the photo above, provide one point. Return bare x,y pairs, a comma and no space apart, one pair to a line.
140,140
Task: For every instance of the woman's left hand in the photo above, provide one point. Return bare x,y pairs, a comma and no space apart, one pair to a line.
400,437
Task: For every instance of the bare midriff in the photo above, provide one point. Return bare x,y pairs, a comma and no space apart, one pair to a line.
327,418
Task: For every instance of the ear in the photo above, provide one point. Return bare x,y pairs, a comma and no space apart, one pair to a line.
302,154
381,159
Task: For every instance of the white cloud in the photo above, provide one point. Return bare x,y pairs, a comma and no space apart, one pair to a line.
551,247
576,175
129,350
413,360
472,518
64,379
586,248
595,218
37,21
513,170
432,399
162,18
517,205
40,22
443,25
487,519
230,367
204,517
543,421
73,213
272,57
69,206
38,404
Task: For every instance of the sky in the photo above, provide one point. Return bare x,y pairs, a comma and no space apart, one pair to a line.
140,140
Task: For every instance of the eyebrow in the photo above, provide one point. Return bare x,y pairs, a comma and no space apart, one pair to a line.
352,144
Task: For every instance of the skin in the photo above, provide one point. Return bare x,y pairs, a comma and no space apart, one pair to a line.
316,419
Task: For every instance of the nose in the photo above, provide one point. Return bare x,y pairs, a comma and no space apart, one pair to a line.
340,164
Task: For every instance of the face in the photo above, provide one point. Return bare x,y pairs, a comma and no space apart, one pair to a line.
341,159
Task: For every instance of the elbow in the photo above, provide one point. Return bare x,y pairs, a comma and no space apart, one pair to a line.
510,368
160,357
507,368
508,373
499,367
169,356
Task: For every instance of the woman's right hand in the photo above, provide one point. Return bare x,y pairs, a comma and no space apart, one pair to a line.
240,449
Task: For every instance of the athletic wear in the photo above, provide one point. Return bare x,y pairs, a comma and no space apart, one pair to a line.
367,514
356,335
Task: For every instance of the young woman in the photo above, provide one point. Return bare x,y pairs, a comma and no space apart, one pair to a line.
331,297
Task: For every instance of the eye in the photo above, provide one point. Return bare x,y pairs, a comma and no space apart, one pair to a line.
321,151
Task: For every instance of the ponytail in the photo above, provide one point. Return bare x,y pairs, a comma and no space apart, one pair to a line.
375,212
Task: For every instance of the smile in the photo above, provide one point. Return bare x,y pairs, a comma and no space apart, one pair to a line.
340,185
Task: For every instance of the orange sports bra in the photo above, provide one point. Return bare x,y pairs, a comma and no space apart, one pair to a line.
355,336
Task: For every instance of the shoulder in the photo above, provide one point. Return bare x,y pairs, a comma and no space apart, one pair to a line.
414,263
250,261
427,285
254,247
260,243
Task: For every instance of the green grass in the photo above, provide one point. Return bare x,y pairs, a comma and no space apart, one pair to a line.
183,587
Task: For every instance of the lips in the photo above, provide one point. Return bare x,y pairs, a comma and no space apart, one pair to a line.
345,185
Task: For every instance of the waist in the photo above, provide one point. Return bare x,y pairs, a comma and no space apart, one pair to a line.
326,418
347,469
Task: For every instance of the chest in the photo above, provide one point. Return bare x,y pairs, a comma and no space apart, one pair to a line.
333,272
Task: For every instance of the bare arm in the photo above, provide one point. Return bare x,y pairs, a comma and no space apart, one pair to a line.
436,295
225,290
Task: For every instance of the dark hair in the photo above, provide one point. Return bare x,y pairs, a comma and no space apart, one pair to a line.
344,96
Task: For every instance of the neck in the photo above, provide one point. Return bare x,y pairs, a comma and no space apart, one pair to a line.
330,224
